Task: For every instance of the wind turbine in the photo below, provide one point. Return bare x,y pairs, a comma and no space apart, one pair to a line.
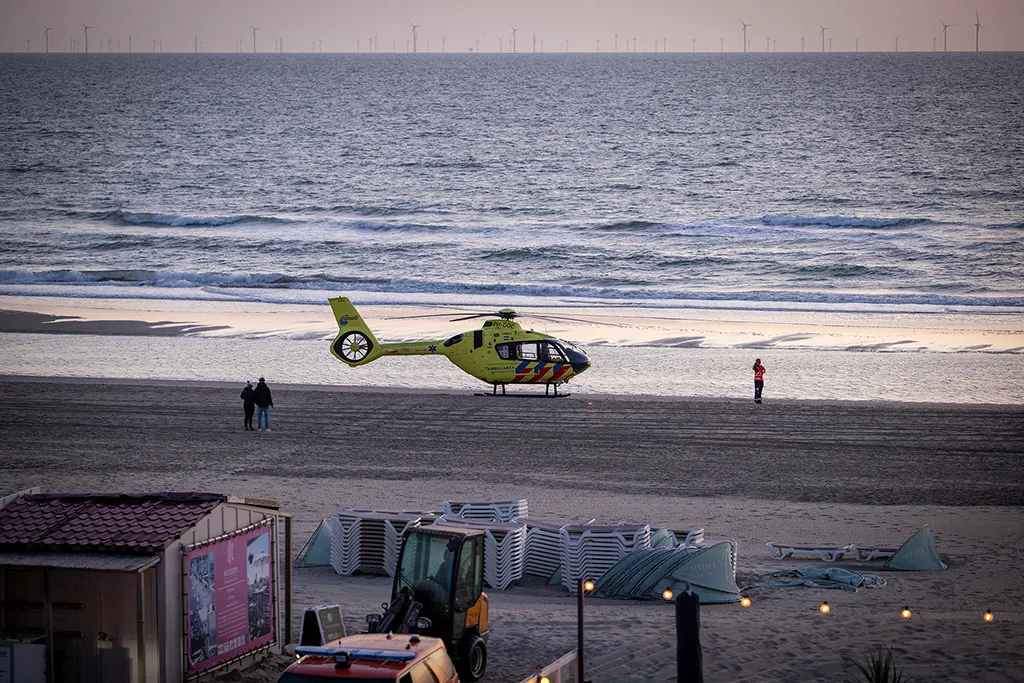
85,30
977,28
514,30
130,36
802,43
443,42
745,25
46,33
897,43
535,41
616,41
944,27
195,44
254,29
694,44
823,29
413,33
767,44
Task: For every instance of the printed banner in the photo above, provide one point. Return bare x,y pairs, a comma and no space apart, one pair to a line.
230,610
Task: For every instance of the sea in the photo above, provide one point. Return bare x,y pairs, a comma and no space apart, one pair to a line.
876,186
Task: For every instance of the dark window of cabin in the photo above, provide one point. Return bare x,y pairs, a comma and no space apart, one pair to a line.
453,340
478,339
506,351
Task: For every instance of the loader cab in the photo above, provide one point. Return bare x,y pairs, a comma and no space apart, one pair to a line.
442,569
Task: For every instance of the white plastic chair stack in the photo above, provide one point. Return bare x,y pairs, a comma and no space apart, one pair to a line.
394,534
506,511
543,548
359,540
587,552
504,549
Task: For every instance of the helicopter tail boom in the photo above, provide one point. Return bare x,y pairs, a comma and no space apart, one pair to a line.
355,343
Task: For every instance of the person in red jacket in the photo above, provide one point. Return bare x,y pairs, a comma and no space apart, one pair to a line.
758,379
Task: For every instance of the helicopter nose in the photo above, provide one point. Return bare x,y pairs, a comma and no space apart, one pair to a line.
580,365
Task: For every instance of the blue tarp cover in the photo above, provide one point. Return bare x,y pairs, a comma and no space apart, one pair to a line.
917,554
645,574
818,577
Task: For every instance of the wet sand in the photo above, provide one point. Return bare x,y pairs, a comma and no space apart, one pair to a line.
782,471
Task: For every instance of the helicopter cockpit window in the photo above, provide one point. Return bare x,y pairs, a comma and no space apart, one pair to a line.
528,351
453,340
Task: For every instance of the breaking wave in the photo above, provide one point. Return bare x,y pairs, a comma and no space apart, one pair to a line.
593,291
842,222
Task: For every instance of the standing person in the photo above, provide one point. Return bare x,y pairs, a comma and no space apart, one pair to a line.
758,379
249,405
261,396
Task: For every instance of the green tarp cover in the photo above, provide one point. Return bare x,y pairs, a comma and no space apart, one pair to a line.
317,551
645,574
818,577
917,554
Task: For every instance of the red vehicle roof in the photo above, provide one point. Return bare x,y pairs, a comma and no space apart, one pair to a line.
368,668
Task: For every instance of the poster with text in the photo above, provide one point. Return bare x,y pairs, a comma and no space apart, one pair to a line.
230,610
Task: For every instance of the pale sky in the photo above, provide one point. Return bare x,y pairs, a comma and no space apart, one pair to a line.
341,23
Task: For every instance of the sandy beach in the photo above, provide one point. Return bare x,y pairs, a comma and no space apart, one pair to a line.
794,471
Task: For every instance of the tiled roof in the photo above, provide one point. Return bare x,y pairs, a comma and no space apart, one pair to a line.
101,522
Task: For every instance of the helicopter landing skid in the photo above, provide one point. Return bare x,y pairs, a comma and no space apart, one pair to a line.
548,393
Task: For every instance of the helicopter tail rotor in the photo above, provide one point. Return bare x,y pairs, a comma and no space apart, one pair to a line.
355,343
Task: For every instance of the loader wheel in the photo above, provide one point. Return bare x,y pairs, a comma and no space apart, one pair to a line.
472,659
353,347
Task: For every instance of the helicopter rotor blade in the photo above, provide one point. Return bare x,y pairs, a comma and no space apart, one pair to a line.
428,315
470,317
559,319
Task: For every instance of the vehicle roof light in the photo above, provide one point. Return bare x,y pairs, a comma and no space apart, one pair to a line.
344,655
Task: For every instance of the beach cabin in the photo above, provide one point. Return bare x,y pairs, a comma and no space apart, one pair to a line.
161,587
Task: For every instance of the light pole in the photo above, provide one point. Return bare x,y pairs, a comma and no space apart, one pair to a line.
583,586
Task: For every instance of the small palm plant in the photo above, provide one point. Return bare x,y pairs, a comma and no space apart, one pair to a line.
879,668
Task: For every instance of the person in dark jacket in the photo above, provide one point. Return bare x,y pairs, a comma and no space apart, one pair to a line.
249,405
261,396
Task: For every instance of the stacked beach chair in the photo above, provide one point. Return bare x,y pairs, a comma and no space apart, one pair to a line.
504,549
507,511
368,541
588,551
504,535
543,548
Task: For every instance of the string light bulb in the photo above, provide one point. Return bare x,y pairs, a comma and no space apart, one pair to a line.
667,595
745,601
906,613
825,608
588,585
988,616
544,679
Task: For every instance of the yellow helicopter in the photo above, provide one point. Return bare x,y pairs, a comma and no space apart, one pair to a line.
500,353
